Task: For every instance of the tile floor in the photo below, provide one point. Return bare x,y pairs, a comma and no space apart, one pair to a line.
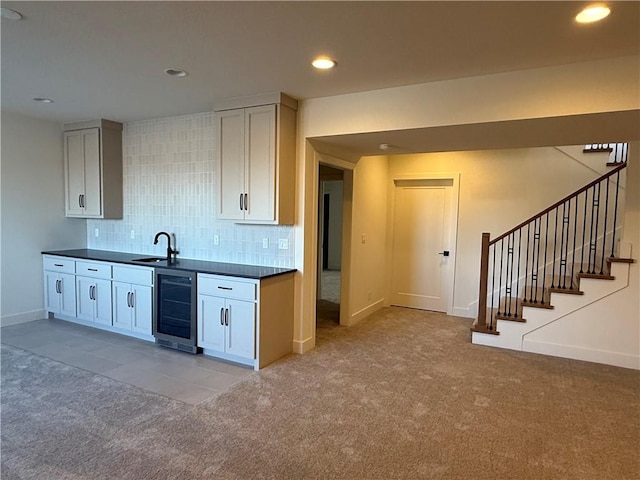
178,375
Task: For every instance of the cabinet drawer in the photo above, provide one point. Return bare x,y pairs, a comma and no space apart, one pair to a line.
226,287
60,264
137,275
94,269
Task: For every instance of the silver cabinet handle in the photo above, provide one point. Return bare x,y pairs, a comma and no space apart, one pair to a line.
133,299
58,265
226,317
80,200
92,269
58,286
222,316
90,292
225,288
129,299
246,201
241,204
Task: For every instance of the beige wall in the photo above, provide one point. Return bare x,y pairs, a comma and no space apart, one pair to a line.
367,260
576,89
498,190
33,217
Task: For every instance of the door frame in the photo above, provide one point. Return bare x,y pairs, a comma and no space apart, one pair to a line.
453,230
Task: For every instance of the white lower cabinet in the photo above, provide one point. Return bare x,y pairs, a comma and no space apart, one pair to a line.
245,320
105,295
93,300
133,299
59,285
227,326
60,293
227,317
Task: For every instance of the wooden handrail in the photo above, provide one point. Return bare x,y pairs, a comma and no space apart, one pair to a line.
558,203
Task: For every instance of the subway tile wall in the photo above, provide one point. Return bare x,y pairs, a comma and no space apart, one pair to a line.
170,184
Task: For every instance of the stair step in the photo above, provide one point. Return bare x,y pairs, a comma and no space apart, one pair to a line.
620,260
568,291
485,329
603,276
537,304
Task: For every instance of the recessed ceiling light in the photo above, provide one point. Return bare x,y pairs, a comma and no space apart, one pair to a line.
10,14
593,13
42,100
384,146
323,63
176,72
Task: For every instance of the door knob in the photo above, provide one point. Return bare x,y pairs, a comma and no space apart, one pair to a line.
445,253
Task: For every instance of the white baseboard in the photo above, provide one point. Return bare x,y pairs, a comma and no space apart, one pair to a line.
23,317
463,312
365,312
303,346
581,353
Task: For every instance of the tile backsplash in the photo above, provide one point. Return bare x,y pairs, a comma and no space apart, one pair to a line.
170,184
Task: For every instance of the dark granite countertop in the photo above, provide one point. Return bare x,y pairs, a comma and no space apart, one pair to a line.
217,268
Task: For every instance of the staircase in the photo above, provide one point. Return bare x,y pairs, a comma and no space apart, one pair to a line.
554,263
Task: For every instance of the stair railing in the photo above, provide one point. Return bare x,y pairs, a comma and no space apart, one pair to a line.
618,152
545,252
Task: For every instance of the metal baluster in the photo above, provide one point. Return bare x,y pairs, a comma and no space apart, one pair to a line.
518,274
544,266
526,263
604,228
555,246
575,234
493,285
536,237
584,231
594,228
615,215
565,221
560,272
510,243
500,277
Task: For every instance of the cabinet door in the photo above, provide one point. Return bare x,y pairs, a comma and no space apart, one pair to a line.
142,300
260,155
92,200
68,294
121,305
211,329
85,303
74,171
51,296
230,164
241,330
102,301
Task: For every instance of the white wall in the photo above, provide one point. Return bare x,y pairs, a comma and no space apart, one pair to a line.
553,92
170,184
609,330
498,190
33,217
367,260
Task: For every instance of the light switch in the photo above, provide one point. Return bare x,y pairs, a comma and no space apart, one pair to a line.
283,244
216,239
364,238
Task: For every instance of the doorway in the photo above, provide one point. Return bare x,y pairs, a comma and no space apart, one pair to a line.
423,243
330,231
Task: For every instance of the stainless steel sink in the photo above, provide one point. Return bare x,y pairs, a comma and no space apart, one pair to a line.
150,260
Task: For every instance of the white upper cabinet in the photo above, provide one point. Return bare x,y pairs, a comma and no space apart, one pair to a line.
93,169
256,161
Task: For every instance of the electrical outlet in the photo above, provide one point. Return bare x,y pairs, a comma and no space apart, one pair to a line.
283,244
364,238
265,243
216,239
97,233
133,234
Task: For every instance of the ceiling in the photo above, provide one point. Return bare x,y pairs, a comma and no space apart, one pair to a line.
107,59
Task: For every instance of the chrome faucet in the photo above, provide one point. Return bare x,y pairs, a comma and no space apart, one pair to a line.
170,251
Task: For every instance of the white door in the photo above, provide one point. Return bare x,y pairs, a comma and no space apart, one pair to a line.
260,153
122,305
67,287
421,235
84,292
211,328
241,331
102,301
52,299
231,164
92,200
74,164
142,309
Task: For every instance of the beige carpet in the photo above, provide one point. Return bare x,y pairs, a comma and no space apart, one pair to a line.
404,395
